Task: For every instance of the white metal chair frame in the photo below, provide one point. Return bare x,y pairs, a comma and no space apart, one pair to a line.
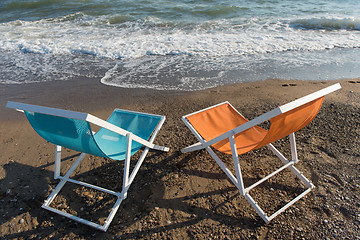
238,180
127,177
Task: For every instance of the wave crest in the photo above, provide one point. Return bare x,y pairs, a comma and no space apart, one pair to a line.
329,24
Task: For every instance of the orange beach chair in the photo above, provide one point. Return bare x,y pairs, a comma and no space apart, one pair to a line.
223,128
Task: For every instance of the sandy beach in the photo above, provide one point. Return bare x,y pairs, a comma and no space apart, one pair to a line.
183,196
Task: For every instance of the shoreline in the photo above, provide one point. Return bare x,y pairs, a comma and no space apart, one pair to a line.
86,94
179,195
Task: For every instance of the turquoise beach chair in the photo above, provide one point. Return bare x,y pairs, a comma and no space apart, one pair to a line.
121,136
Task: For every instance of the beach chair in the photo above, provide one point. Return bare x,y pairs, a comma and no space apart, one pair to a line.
120,137
223,128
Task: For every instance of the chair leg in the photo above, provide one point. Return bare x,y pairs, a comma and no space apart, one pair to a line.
287,164
293,147
64,179
236,164
130,177
125,185
57,161
263,215
238,181
292,167
127,180
67,178
223,167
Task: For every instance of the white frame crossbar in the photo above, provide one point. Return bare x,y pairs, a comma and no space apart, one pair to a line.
127,177
230,135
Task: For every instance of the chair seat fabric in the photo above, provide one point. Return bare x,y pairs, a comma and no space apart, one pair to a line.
113,144
223,118
66,132
77,134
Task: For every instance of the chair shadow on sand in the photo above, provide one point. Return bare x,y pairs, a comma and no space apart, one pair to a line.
29,186
24,189
22,193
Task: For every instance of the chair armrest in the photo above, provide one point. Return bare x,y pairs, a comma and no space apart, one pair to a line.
194,147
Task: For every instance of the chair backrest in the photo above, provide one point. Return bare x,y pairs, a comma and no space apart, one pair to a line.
70,133
291,121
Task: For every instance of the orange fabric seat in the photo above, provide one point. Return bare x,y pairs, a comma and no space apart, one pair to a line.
223,118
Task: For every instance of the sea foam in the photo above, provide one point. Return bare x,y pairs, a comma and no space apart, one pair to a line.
92,36
153,53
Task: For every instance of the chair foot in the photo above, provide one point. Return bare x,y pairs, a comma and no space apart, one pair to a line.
264,216
114,209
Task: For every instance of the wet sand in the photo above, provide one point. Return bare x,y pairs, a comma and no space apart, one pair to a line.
183,196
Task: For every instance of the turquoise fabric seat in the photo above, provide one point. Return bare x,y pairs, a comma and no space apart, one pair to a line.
77,134
113,144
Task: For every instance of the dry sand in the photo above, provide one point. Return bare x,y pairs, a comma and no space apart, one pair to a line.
183,196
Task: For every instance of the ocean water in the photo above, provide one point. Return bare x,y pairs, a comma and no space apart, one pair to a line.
178,45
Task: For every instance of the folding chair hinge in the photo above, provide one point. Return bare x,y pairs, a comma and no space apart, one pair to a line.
123,195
